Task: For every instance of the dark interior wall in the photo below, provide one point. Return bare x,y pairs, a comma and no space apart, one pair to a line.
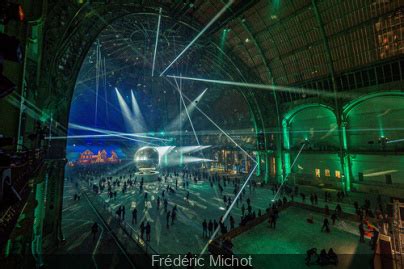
9,122
319,126
9,108
31,41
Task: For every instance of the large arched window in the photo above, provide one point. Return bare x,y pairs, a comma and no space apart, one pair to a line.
121,102
376,138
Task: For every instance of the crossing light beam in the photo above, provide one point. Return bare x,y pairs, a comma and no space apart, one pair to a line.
199,35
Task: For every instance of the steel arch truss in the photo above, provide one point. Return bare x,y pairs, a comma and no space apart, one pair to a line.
66,52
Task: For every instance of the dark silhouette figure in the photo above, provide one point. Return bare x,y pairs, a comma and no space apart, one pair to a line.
323,258
361,233
142,228
231,222
134,216
215,224
94,230
333,218
204,229
325,226
148,230
210,227
173,215
190,264
310,253
168,219
332,257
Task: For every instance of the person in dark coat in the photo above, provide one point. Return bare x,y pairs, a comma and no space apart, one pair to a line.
142,228
210,227
231,222
326,226
148,230
361,232
94,230
168,219
134,216
333,218
204,229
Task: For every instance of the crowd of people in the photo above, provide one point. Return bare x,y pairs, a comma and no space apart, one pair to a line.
324,258
170,181
126,180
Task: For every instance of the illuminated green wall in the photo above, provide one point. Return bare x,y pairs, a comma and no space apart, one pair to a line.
382,116
368,119
373,118
375,167
307,163
318,125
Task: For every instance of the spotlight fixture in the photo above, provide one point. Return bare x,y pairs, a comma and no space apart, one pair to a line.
383,139
383,142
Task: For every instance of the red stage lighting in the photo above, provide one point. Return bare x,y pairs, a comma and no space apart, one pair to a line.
11,11
21,13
